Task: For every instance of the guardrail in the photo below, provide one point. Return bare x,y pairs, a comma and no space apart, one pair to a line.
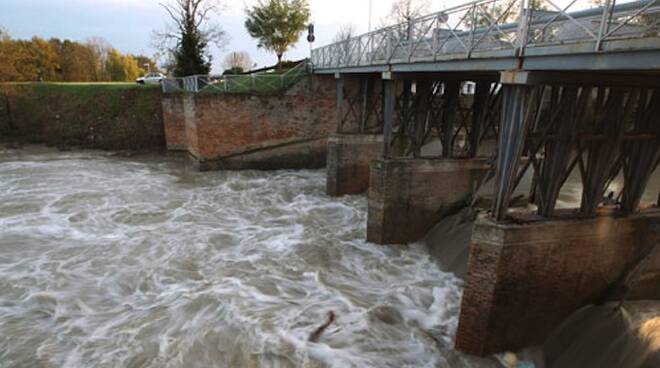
495,28
242,83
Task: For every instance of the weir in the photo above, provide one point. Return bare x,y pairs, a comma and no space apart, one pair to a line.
509,97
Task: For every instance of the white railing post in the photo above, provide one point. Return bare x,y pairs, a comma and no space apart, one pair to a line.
523,27
604,23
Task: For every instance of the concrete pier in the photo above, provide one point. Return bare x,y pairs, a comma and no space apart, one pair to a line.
408,196
523,279
349,157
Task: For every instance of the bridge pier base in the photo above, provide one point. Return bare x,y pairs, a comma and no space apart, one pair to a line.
523,280
407,197
349,156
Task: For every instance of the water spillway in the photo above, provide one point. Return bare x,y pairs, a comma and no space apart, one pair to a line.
143,262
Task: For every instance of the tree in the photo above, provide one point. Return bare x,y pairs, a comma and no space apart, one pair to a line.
4,34
403,13
190,34
238,61
146,63
78,62
34,60
64,60
8,70
101,48
277,24
122,67
346,32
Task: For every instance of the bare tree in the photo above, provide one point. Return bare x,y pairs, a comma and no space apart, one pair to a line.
238,60
404,11
190,33
100,47
346,32
4,34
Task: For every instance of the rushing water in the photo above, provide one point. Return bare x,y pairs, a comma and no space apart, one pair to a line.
111,262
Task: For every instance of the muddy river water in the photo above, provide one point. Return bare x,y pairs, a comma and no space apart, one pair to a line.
143,262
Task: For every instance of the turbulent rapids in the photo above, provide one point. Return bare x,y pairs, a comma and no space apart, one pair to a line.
110,262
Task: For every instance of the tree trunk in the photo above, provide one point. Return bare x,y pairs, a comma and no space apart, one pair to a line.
279,60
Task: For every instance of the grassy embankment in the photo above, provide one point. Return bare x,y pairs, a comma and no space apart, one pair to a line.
86,115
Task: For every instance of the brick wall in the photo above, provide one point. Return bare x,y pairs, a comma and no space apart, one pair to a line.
524,279
349,157
407,197
218,129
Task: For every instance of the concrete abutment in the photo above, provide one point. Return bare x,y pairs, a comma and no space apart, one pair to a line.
349,157
407,197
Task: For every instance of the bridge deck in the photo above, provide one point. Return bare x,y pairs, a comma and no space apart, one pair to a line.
480,36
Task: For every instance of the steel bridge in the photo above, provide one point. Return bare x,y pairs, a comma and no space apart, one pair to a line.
541,90
496,35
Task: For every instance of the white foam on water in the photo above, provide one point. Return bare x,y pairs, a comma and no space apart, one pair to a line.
108,262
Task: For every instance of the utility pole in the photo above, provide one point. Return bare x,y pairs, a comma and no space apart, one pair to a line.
370,3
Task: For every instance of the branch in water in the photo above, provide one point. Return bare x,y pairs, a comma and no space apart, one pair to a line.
314,337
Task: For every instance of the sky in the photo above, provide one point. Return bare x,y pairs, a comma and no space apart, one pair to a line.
128,24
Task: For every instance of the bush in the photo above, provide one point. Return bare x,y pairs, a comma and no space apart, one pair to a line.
233,71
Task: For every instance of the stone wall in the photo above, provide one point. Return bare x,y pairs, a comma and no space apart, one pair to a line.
96,116
524,279
407,197
254,131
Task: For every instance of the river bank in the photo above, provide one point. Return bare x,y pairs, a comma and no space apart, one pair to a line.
107,116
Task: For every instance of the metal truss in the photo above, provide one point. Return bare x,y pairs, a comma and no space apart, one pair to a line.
602,132
360,105
427,110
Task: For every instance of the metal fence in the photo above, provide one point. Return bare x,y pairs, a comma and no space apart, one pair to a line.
496,28
268,82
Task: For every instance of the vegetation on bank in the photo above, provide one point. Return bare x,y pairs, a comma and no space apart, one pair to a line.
276,24
58,60
112,116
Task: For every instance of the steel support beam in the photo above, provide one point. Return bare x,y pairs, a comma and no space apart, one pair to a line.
421,110
513,130
389,102
340,102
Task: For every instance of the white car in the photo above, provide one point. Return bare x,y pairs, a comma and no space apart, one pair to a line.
151,78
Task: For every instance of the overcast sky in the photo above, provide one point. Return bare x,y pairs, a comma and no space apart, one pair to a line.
128,24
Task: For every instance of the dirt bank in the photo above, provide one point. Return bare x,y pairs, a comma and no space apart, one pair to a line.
97,116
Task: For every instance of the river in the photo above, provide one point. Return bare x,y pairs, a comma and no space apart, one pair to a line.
142,262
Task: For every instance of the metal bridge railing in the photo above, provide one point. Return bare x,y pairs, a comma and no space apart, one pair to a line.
495,28
242,83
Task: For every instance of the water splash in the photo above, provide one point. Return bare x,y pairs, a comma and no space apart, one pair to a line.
107,262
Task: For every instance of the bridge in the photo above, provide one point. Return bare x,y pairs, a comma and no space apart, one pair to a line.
496,35
505,100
